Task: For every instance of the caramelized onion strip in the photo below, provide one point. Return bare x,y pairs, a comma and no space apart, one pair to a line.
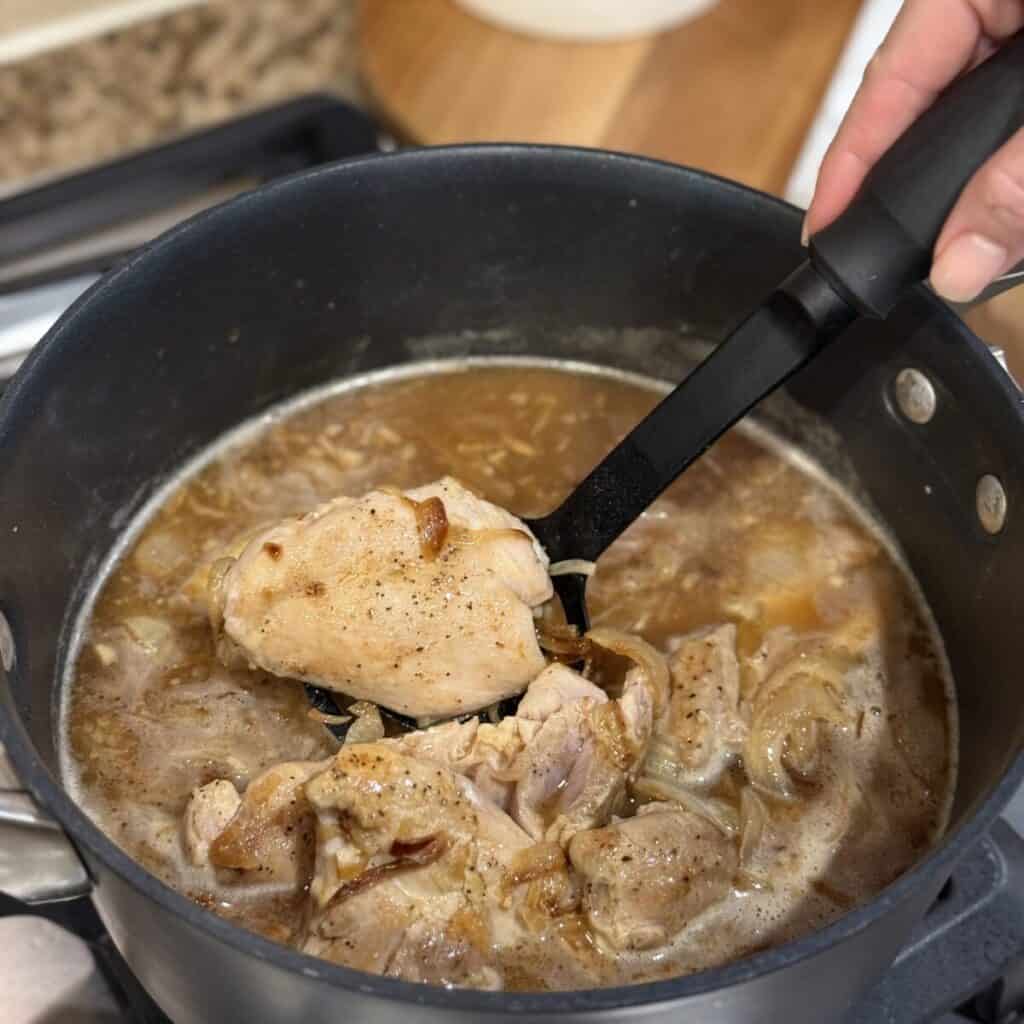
562,640
432,524
649,659
579,566
407,856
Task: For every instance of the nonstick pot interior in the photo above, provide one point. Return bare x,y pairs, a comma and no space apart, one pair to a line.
506,251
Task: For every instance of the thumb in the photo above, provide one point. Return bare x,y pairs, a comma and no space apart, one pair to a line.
984,234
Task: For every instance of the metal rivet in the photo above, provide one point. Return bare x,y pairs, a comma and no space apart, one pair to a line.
999,355
6,644
915,395
991,503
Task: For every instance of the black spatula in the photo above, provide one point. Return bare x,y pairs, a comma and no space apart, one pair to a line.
861,265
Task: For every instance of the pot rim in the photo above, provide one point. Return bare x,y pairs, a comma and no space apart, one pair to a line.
49,792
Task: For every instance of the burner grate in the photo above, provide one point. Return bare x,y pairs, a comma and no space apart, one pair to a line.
968,952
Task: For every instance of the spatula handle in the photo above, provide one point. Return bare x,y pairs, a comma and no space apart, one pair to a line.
788,330
882,244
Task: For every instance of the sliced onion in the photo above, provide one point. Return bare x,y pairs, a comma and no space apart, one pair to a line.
326,719
563,640
753,819
801,753
660,777
827,666
579,566
368,726
662,759
718,812
800,700
200,509
650,660
149,633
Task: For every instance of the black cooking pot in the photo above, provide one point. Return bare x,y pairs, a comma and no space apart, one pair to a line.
503,251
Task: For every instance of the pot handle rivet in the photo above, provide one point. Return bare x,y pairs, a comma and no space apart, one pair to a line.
990,498
6,644
915,396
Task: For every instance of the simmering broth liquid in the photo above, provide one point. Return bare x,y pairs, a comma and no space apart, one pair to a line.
748,536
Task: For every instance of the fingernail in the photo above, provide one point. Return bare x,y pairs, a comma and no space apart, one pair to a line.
804,235
966,266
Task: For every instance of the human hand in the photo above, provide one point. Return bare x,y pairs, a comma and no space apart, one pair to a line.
930,44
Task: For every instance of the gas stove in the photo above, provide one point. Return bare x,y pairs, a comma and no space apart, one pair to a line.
964,963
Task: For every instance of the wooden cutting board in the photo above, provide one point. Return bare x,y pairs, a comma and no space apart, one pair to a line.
732,92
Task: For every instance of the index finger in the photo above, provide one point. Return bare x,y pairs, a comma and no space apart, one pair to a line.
929,44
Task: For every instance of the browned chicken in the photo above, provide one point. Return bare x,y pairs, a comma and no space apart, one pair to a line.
412,871
646,877
561,763
702,723
421,602
268,838
573,774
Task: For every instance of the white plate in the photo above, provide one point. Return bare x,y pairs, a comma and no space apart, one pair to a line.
586,20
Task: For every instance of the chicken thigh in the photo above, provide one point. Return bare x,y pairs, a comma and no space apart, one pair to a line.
702,725
265,836
421,602
561,763
412,869
644,878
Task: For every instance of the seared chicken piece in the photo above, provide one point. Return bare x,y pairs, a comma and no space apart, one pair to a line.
269,839
419,876
573,775
482,752
420,602
373,799
561,763
702,723
555,688
645,878
207,814
412,871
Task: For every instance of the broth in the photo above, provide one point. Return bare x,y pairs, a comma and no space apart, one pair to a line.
748,536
